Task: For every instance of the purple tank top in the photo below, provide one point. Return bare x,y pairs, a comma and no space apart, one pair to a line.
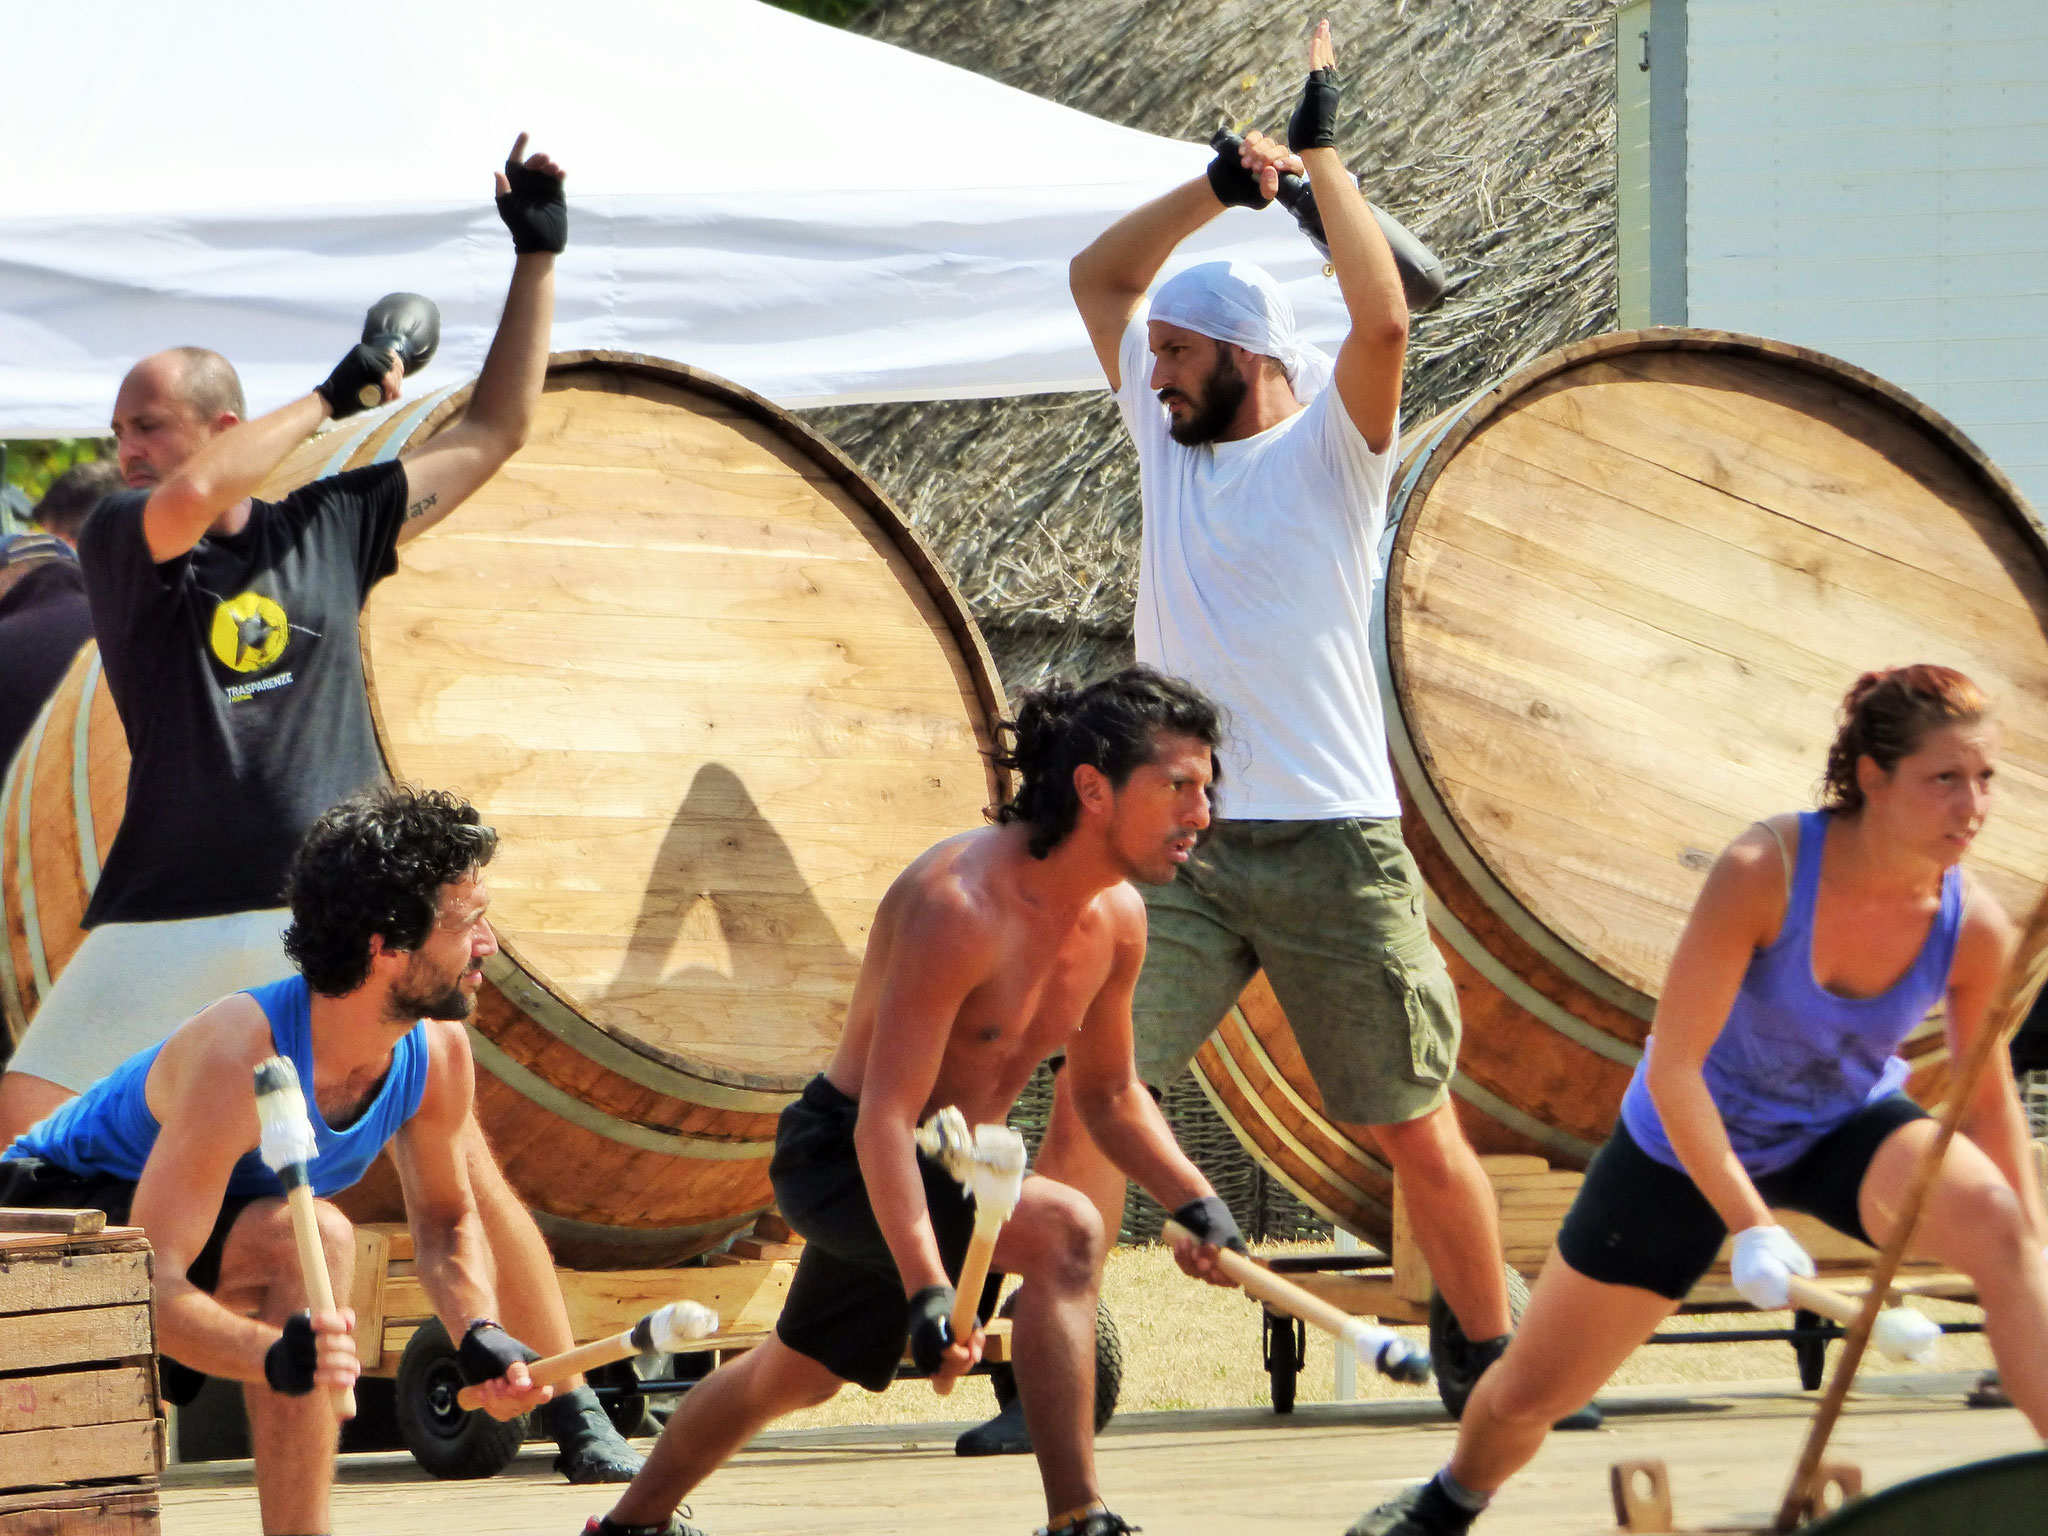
1795,1060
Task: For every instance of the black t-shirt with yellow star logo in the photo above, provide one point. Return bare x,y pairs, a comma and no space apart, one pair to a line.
239,678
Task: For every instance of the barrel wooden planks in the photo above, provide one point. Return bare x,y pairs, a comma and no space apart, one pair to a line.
60,801
714,694
1627,588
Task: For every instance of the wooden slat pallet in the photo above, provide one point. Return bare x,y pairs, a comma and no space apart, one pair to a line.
81,1424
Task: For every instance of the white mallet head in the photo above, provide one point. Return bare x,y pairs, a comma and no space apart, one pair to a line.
672,1329
281,1110
1905,1334
946,1140
996,1173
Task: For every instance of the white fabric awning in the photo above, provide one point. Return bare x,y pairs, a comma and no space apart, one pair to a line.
813,214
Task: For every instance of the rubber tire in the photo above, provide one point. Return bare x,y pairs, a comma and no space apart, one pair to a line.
1109,1364
448,1441
1446,1337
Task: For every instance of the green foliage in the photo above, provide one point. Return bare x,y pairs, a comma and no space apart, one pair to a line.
834,12
32,463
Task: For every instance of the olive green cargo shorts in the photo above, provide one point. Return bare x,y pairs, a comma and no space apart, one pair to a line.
1333,912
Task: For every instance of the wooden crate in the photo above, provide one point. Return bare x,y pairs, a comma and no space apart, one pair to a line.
78,1387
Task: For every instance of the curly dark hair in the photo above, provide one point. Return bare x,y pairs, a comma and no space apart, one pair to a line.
1110,725
1884,717
375,864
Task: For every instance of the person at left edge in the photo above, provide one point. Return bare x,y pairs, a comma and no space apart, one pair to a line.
228,630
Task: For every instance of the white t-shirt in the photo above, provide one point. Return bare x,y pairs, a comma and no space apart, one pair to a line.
1255,580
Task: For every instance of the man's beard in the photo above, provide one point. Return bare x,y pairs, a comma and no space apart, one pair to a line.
1223,391
411,1000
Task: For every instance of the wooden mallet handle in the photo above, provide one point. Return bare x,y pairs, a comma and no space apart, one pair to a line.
981,1249
313,1266
1404,1363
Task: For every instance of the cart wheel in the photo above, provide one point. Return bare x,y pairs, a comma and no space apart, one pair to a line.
627,1410
1109,1364
1447,1344
1812,1354
445,1438
1286,1353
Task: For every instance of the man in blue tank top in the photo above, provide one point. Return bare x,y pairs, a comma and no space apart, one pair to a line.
389,935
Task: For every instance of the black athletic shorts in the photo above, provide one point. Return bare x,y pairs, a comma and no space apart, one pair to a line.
1640,1222
846,1308
31,1182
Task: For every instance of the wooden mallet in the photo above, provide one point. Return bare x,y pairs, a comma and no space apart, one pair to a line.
670,1330
1899,1332
989,1163
287,1146
1391,1355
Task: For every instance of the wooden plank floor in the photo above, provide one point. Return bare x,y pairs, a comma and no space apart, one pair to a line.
1208,1473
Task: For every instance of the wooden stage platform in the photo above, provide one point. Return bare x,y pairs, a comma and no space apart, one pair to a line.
1208,1473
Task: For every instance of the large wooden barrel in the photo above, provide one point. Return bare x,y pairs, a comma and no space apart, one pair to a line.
714,694
1626,589
60,802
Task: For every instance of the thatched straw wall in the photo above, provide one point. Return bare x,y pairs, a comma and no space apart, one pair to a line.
1485,126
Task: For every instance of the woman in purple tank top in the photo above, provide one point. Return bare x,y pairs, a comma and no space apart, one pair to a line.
1771,1080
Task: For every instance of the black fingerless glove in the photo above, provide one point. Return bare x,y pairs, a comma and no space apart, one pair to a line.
487,1352
1314,124
1209,1219
357,382
534,210
1234,186
931,1326
288,1364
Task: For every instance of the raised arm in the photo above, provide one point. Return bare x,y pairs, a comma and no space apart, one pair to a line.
228,467
1109,278
1994,1118
1369,364
451,1255
452,466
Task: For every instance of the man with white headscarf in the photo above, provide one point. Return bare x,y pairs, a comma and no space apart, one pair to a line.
1264,470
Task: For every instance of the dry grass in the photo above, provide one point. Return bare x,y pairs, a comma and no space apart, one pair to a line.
1196,1346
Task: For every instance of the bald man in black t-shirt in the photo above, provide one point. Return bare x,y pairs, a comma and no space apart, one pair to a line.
228,630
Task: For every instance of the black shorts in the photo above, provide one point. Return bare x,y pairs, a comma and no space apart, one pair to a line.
33,1183
846,1308
1642,1223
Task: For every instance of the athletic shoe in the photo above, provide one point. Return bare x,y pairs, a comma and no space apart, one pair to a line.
1101,1523
592,1449
1004,1435
1424,1510
1460,1362
603,1525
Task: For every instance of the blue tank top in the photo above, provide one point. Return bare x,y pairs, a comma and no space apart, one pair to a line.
1795,1060
108,1130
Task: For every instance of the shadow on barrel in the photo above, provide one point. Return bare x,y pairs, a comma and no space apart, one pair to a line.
724,874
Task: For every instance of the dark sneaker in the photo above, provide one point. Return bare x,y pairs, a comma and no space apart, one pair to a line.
592,1449
1988,1393
1424,1510
675,1525
1004,1435
1102,1523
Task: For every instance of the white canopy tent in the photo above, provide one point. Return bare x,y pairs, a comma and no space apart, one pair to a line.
813,214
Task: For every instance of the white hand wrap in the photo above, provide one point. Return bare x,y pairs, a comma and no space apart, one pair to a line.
1765,1259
